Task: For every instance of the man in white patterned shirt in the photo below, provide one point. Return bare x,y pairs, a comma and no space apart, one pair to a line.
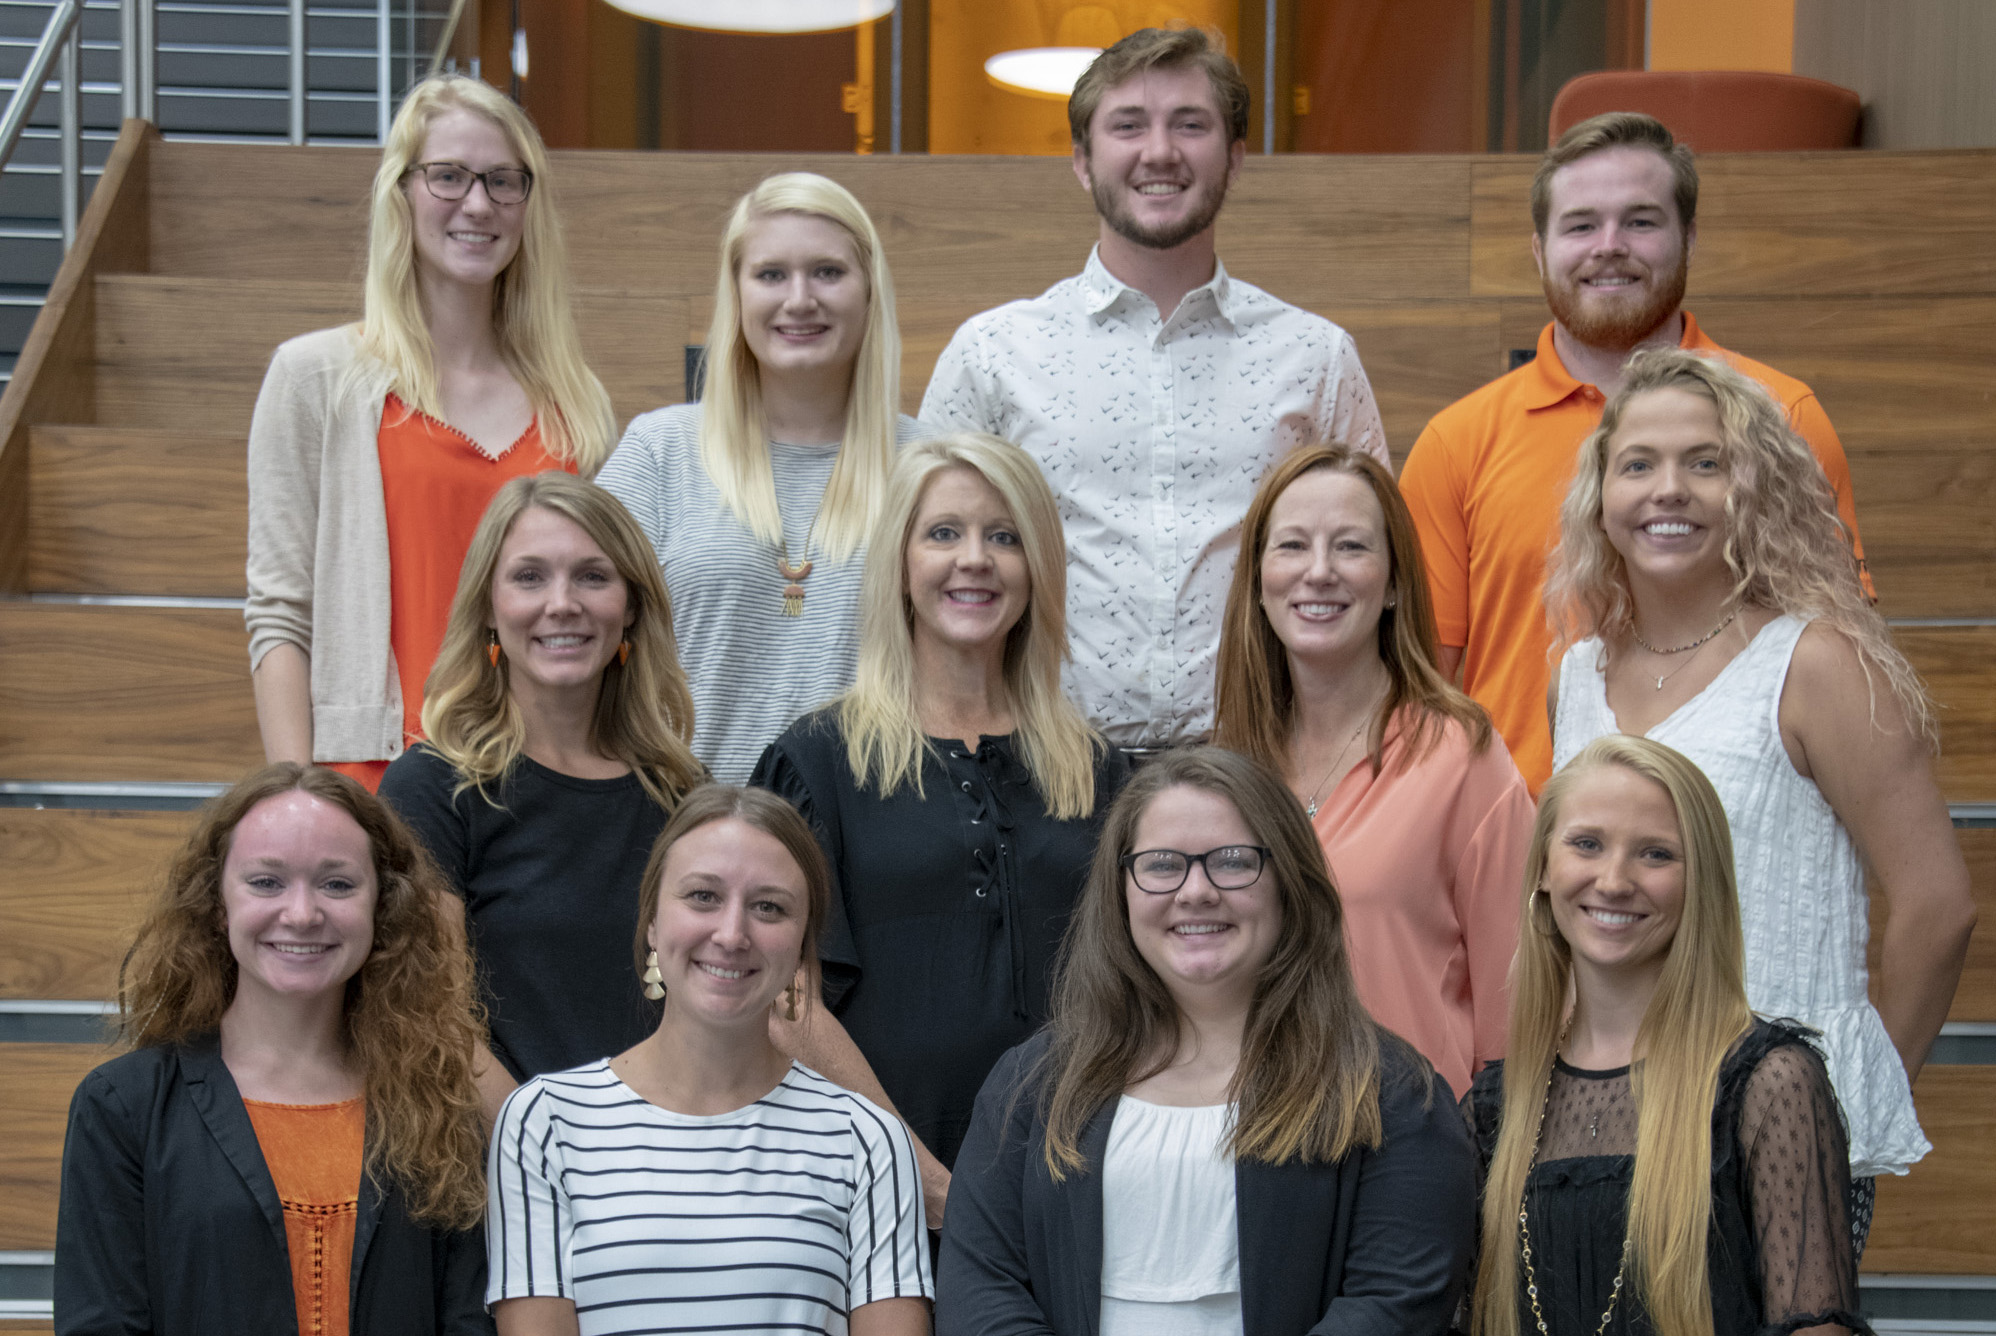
1154,389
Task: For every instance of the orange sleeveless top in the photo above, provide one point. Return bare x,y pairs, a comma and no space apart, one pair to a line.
313,1152
435,484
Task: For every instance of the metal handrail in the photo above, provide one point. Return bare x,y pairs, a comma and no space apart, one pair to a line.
56,50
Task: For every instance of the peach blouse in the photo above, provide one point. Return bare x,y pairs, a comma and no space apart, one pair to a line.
1429,858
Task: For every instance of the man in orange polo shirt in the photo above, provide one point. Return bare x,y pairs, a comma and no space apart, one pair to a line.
1614,209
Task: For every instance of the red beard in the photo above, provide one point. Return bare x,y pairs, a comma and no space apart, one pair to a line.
1616,326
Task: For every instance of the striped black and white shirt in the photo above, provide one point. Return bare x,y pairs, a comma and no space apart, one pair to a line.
782,1216
752,670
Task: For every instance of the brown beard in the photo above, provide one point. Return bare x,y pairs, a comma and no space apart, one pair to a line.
1158,238
1619,327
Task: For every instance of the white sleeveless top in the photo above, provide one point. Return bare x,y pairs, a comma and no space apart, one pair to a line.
1801,881
1171,1261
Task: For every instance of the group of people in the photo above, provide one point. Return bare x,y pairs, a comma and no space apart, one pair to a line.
1066,863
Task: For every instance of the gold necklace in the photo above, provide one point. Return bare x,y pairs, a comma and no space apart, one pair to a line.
793,591
1666,653
1525,1228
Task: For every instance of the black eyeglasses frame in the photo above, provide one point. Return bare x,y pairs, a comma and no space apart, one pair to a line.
1128,864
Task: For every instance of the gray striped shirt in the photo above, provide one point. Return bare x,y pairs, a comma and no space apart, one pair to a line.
752,669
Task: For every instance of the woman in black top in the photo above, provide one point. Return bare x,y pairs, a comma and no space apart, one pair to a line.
293,1139
1212,1135
1656,1158
557,721
956,792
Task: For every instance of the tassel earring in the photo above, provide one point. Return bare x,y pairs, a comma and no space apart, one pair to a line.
790,1001
623,653
492,649
654,985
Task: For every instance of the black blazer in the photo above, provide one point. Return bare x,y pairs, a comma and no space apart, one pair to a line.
1376,1244
169,1221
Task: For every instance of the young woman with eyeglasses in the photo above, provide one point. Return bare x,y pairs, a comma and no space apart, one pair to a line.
1212,1136
375,446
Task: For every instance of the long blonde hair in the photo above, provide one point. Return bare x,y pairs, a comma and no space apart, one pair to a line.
1307,1084
644,712
411,1016
1785,547
531,315
1255,701
1698,1012
884,738
734,436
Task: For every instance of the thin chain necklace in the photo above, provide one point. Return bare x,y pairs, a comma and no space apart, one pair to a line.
1525,1225
1310,807
1666,653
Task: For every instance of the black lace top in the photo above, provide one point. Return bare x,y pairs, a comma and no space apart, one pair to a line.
1778,1250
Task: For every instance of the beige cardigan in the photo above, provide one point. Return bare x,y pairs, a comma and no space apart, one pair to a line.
315,506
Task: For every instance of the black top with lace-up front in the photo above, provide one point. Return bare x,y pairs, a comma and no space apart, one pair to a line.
948,908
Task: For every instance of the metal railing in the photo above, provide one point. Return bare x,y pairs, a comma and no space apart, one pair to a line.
55,53
372,35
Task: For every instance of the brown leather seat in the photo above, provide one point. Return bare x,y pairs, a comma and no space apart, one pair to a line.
1719,111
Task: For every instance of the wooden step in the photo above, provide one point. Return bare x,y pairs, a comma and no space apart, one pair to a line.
39,1079
1975,995
1959,666
131,510
189,354
72,886
1940,1219
121,693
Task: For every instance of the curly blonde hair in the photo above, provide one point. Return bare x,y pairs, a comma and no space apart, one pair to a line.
412,1018
1786,547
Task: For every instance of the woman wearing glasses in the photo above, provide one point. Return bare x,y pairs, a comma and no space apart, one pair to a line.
375,446
758,498
1212,1135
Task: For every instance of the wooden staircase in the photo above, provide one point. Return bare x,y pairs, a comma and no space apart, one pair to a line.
122,443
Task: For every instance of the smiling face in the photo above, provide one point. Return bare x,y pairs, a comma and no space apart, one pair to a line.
1614,256
1157,159
1200,941
470,240
1663,490
1326,568
558,604
803,295
729,930
1615,872
967,579
298,895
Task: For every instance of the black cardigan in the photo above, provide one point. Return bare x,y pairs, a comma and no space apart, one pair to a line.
169,1221
1377,1244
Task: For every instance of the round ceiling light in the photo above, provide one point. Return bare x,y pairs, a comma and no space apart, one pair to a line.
763,16
1041,71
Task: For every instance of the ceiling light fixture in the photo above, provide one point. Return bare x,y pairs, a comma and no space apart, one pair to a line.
759,16
1041,71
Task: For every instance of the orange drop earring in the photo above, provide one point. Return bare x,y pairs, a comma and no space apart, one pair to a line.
623,653
492,650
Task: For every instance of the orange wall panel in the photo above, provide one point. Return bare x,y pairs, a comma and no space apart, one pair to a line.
1722,35
969,114
1387,76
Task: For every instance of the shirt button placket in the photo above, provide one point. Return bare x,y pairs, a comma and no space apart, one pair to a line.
1164,539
